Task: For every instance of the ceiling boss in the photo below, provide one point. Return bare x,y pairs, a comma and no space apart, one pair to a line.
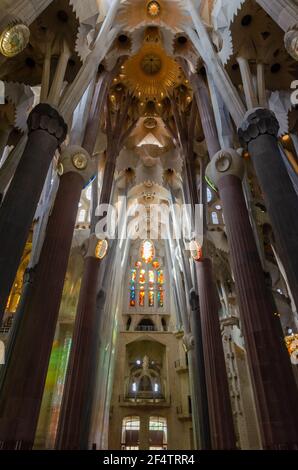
153,9
151,73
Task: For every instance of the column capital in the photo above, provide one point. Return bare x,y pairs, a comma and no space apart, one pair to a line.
257,122
75,159
45,117
188,342
225,162
291,42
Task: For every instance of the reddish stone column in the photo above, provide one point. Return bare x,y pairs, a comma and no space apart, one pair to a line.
259,133
73,430
46,131
74,423
219,404
221,432
273,381
24,381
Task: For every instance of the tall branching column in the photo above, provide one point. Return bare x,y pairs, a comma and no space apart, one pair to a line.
273,381
259,133
75,419
221,424
24,381
47,131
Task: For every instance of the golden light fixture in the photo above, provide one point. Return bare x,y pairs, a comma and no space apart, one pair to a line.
153,9
14,39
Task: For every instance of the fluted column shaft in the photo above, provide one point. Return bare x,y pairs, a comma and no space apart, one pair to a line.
259,133
196,353
46,131
219,404
273,381
74,423
25,378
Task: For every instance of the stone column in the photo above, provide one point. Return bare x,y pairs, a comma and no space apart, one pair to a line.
273,381
194,346
219,404
74,424
76,409
259,134
47,131
248,85
23,386
206,113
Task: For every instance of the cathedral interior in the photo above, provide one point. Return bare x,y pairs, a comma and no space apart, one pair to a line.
117,332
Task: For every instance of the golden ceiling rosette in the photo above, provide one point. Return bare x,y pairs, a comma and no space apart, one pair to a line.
161,13
151,74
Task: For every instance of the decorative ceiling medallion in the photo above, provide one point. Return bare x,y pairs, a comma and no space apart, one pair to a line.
164,13
153,9
150,123
151,64
291,43
151,74
14,39
80,161
223,162
60,169
101,249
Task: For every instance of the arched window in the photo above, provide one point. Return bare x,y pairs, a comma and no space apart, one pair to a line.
214,218
128,323
209,195
158,433
164,324
130,433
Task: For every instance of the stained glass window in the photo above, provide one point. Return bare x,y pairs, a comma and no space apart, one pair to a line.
160,297
133,287
142,276
147,251
151,278
146,286
160,279
142,297
151,298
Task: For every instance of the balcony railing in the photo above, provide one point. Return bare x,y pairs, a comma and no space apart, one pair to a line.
145,328
144,398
